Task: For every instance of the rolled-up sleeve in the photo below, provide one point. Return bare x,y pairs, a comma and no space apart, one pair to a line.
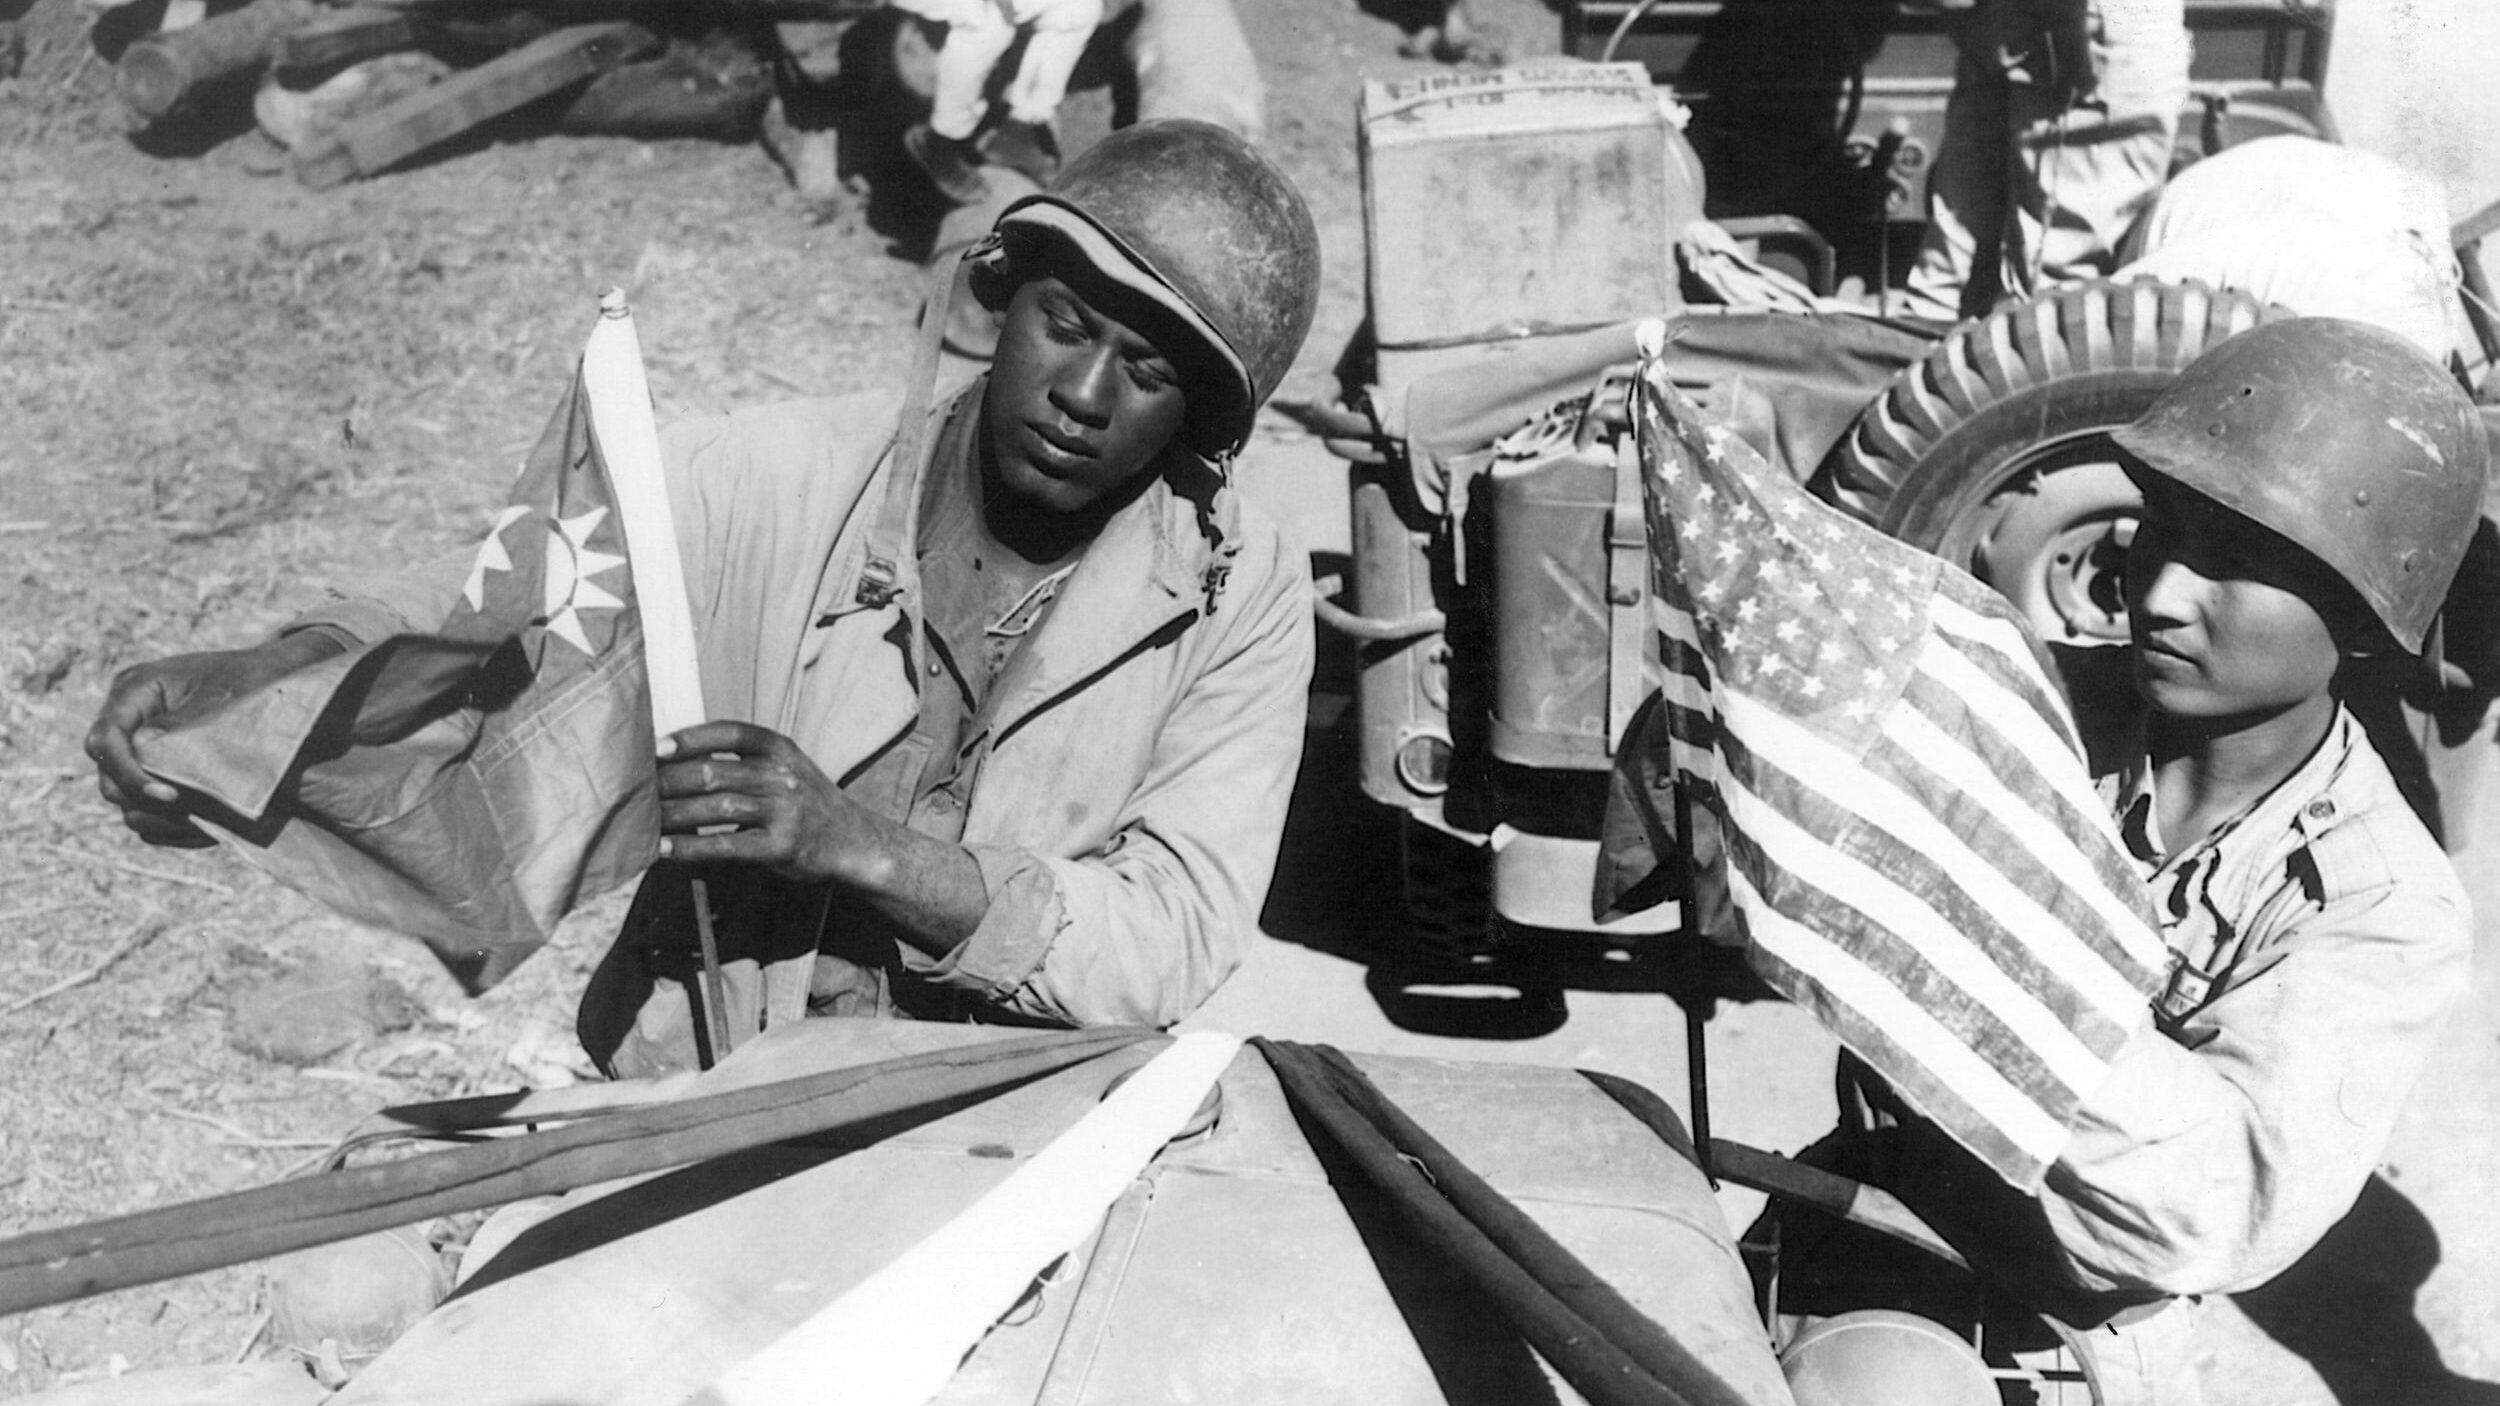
2210,1163
1016,930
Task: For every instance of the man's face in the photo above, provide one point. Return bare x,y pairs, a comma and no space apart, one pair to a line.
1079,404
2226,615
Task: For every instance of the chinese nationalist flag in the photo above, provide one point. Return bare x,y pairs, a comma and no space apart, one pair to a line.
470,786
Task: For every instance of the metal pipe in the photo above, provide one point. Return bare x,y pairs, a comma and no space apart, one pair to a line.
1380,629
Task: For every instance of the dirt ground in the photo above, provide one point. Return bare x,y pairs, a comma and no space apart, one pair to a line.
224,390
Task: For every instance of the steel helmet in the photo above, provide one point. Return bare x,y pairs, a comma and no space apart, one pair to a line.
1883,1357
1192,217
2343,438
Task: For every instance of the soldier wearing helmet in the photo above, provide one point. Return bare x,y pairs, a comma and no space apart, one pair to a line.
1012,687
2310,489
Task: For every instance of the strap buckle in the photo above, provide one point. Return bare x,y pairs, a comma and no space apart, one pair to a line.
879,584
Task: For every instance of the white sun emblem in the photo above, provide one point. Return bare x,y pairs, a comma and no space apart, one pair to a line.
569,589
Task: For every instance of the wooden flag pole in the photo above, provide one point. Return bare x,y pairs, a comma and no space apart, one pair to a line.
629,440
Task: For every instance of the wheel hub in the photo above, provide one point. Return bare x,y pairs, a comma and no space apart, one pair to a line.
2053,539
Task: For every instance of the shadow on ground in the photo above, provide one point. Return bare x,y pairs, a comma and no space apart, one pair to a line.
1339,889
2347,1308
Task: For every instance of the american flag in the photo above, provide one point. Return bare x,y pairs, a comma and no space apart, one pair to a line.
1913,846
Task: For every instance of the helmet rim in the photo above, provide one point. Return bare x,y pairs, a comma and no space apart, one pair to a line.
1194,217
1104,252
2343,439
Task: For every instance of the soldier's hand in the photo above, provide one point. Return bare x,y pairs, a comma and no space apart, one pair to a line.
762,801
150,698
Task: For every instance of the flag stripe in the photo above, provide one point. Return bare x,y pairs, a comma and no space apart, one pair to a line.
1932,894
2042,768
1941,922
1995,644
1884,804
1690,703
1684,674
2010,707
1924,1090
2135,948
2050,948
2043,951
1877,928
2089,880
1878,1005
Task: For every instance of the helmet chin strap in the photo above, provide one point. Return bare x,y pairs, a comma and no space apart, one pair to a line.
2446,677
2431,665
1219,518
920,392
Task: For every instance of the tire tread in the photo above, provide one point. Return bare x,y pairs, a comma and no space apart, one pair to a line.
2020,351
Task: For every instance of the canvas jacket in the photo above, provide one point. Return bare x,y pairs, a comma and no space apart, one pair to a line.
1140,749
2319,940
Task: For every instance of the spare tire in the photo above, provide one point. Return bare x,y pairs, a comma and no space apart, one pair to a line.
1994,451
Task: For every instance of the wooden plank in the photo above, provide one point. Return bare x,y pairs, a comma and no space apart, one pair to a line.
452,107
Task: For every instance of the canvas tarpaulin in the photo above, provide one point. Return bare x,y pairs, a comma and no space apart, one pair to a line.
1790,383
